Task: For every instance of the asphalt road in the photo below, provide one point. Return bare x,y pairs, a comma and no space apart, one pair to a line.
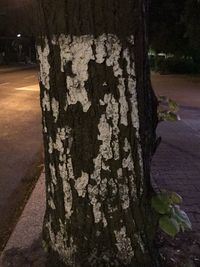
20,143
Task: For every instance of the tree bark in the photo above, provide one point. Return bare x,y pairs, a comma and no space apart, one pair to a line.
99,119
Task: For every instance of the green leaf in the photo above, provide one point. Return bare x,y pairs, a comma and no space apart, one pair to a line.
172,105
171,116
169,225
176,198
182,218
160,203
168,114
162,99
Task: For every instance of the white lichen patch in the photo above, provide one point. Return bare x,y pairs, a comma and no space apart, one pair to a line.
66,173
68,200
105,135
140,241
105,167
44,64
81,183
77,52
97,212
130,68
128,163
44,124
124,246
50,150
46,102
64,42
105,223
134,104
60,243
70,169
128,160
109,149
113,186
51,203
62,135
113,48
53,174
123,190
55,108
65,168
112,113
76,93
119,173
103,188
97,192
124,196
93,192
131,39
100,48
123,102
52,190
133,187
44,129
127,146
58,145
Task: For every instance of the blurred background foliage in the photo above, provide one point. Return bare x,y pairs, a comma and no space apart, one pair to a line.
174,36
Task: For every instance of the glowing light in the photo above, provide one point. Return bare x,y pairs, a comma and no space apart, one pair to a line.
28,88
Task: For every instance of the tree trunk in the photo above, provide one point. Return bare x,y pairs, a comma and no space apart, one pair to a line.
99,117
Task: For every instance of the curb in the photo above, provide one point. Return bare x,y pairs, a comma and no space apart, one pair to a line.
29,226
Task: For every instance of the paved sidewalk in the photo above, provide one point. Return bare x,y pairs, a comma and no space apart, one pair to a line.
176,166
24,246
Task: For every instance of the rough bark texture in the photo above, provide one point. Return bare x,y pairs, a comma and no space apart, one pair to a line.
98,122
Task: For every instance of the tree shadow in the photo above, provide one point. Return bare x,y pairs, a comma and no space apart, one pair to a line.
32,256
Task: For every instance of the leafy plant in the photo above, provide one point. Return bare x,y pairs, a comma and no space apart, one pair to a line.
167,110
172,219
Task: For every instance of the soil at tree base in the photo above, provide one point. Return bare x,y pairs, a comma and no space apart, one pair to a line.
182,251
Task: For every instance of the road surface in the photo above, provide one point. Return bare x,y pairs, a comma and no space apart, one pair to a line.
20,142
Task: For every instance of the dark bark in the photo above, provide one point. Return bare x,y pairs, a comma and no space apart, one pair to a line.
99,119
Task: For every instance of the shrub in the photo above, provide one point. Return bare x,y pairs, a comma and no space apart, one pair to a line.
177,65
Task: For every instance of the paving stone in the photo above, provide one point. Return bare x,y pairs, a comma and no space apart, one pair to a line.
176,165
